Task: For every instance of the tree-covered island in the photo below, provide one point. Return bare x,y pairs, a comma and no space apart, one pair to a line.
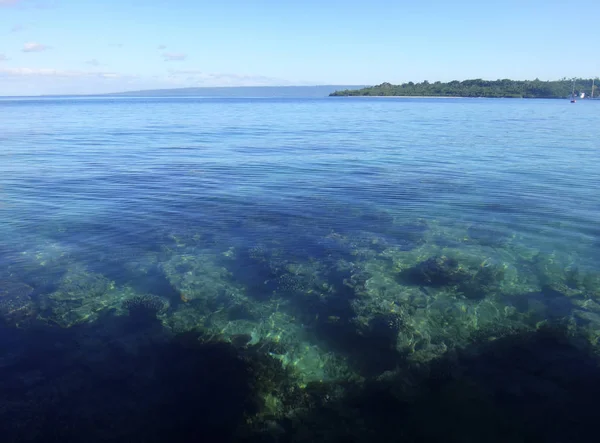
481,88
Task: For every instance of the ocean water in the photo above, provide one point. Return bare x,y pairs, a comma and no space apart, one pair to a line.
345,238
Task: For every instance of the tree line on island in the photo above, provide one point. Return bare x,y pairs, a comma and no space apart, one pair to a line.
482,88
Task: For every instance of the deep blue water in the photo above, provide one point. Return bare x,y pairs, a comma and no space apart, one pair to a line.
285,218
123,171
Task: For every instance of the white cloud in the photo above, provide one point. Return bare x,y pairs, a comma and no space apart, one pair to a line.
195,77
48,72
3,58
35,81
92,62
34,47
174,56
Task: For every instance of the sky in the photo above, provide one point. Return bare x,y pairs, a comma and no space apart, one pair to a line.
97,46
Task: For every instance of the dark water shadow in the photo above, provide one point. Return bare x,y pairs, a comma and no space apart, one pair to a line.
486,234
154,281
547,303
257,269
105,382
369,346
529,387
108,382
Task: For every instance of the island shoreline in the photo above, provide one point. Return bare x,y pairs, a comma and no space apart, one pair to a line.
577,88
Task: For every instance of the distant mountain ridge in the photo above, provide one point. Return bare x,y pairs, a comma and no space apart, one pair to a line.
240,91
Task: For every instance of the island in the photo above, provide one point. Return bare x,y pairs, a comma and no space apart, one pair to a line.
481,88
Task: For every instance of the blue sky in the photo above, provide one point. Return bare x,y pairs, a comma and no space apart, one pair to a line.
88,46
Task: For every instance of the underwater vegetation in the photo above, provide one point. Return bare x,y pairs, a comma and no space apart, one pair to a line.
322,335
518,386
80,296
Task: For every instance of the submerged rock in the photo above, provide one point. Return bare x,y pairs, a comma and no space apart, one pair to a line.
473,282
81,296
198,278
438,271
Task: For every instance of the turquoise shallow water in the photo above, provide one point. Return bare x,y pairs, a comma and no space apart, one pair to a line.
345,237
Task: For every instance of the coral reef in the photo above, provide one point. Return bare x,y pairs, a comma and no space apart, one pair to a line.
321,327
80,296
